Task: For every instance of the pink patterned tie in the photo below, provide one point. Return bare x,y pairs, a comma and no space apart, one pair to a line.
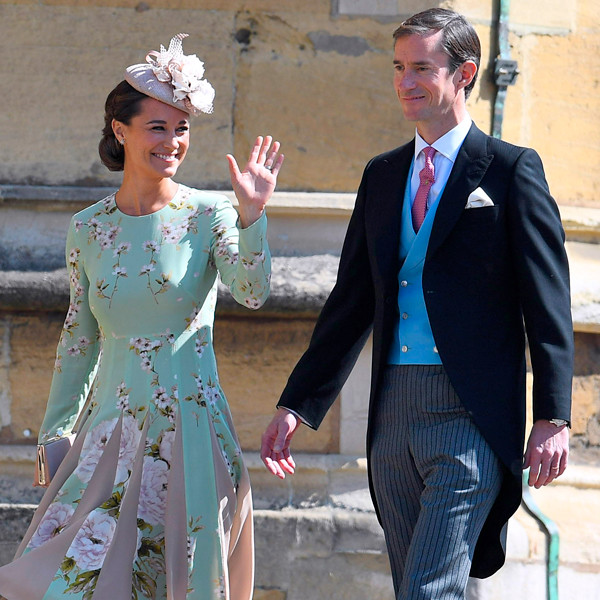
427,177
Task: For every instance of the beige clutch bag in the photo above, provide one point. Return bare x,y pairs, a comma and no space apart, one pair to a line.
49,456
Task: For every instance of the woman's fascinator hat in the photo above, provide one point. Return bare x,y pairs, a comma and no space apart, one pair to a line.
173,78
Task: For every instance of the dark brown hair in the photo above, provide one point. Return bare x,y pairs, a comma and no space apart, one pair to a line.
122,104
459,39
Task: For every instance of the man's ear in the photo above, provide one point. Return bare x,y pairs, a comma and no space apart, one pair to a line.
465,74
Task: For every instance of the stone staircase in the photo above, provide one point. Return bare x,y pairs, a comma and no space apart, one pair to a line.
317,535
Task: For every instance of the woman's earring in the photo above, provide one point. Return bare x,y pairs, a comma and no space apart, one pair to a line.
122,142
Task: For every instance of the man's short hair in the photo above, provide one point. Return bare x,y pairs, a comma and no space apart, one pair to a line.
459,39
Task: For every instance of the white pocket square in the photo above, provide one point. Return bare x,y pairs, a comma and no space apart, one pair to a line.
478,199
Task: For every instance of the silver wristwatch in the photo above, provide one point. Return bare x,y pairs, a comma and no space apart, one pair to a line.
558,422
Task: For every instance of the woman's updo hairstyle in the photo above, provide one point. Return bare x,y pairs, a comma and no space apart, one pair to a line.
122,104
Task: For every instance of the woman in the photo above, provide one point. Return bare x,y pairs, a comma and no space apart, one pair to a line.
153,499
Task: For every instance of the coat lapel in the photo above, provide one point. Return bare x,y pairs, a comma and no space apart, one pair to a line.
391,182
471,164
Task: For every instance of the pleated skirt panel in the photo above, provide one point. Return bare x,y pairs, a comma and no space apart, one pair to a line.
148,524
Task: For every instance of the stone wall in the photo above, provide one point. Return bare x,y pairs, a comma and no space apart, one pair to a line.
255,357
585,431
257,351
316,74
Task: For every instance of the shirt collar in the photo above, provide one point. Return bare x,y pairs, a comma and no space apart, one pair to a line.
449,144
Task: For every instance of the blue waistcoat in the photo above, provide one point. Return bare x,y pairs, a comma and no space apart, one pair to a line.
413,342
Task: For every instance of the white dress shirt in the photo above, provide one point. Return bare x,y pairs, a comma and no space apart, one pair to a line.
447,148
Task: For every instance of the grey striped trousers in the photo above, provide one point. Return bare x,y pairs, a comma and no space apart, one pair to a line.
435,480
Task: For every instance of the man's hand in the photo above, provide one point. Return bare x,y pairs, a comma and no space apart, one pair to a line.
547,452
275,447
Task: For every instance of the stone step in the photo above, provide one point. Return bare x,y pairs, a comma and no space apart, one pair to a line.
317,535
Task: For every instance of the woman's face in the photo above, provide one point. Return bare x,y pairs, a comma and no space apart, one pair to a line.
156,140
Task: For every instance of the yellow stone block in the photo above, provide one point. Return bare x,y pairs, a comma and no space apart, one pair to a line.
255,358
63,79
567,138
319,81
544,14
586,402
475,10
269,594
325,90
33,347
322,6
5,395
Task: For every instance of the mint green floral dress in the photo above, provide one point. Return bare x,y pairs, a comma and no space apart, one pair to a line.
153,500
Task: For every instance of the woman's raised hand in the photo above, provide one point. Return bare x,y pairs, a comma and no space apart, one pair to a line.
255,184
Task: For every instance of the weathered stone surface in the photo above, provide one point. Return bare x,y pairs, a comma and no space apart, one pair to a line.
564,139
5,391
313,73
586,402
309,83
321,479
580,224
570,507
255,358
557,16
587,353
322,6
339,552
477,12
15,519
72,58
34,222
313,561
300,286
32,291
17,487
257,351
593,430
269,594
33,346
584,260
377,8
537,116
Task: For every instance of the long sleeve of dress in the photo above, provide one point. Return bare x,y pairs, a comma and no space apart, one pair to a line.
77,352
241,256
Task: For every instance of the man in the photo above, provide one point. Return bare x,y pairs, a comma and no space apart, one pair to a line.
454,250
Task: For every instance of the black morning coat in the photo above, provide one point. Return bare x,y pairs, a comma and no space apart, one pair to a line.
491,275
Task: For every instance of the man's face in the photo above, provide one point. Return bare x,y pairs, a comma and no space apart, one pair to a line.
428,92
